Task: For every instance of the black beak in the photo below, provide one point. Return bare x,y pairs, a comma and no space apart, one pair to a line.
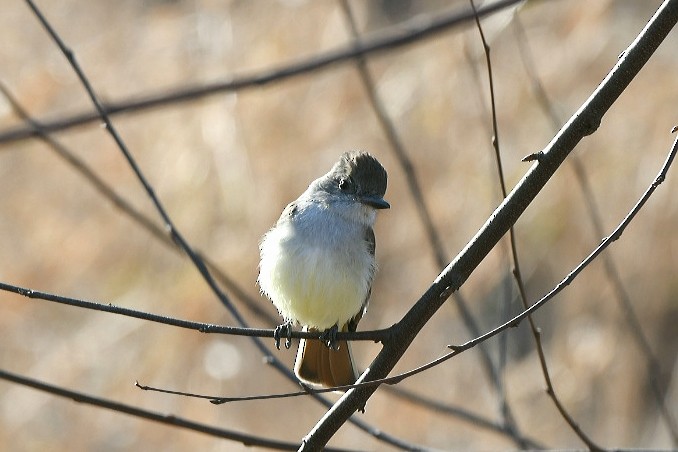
375,201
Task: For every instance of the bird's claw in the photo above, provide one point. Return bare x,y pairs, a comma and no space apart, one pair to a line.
329,337
283,330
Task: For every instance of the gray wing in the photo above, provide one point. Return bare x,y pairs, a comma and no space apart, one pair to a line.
371,247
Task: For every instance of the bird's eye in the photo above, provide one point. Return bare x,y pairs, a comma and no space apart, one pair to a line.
345,184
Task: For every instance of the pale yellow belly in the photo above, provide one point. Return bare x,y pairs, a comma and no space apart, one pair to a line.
315,286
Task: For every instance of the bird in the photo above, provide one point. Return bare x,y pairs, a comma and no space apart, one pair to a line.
318,263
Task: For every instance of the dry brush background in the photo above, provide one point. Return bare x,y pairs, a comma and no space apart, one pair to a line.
226,165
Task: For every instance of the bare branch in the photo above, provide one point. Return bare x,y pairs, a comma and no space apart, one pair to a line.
169,225
415,30
168,419
376,335
536,333
584,122
458,349
611,270
395,142
615,235
505,408
174,233
125,207
435,242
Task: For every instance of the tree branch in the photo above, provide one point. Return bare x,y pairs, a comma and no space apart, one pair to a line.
584,122
167,419
517,274
412,31
613,276
375,335
169,225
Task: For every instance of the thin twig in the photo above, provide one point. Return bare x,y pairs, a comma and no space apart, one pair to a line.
167,419
514,321
436,405
474,419
220,400
107,191
176,236
584,122
536,333
607,241
435,242
593,210
413,31
505,312
374,336
112,131
506,412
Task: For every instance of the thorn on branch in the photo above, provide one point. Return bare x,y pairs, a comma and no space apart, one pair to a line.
590,126
532,157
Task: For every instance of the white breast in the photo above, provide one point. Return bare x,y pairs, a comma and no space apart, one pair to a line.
316,267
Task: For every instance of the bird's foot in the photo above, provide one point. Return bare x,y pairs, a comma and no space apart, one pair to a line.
329,337
283,330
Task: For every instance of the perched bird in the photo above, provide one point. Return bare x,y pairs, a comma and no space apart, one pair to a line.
317,264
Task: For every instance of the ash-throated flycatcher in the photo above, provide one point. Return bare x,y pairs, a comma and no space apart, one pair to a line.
317,263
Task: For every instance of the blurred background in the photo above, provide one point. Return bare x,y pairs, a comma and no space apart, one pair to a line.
226,165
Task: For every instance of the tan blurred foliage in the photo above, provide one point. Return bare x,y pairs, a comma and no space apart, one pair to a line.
226,165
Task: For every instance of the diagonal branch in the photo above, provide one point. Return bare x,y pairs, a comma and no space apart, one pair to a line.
584,122
434,239
173,231
616,234
395,142
140,218
536,333
623,297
